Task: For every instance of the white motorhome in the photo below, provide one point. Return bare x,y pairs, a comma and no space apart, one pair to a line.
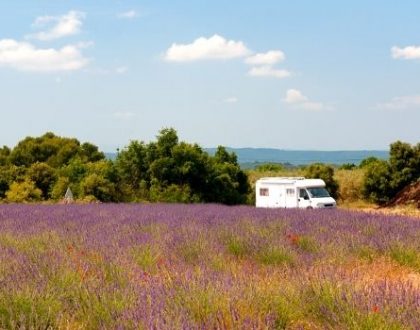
290,192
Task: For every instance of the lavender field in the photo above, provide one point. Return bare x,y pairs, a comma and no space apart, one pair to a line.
206,267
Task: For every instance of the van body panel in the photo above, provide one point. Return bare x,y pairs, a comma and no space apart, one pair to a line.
291,192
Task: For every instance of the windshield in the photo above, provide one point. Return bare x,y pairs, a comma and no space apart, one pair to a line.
318,192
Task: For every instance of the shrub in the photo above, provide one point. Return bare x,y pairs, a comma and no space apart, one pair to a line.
25,191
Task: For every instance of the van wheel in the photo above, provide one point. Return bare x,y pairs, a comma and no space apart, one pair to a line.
309,208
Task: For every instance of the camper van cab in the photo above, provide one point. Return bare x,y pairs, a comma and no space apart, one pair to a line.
289,192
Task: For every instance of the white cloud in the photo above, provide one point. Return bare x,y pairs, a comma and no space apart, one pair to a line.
268,71
296,98
401,103
128,14
269,58
232,99
24,56
59,26
406,53
213,48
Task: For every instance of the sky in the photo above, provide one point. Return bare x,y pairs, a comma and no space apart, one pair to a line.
306,75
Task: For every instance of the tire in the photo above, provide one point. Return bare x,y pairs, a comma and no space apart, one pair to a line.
309,208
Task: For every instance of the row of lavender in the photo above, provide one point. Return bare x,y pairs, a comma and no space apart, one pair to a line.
206,266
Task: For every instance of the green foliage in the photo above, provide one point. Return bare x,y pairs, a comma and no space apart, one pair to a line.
270,167
275,256
406,256
347,166
171,171
60,187
367,161
238,246
326,173
98,186
384,179
171,194
43,176
25,191
51,149
404,162
377,182
4,155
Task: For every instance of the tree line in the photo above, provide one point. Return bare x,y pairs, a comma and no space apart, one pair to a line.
169,170
165,170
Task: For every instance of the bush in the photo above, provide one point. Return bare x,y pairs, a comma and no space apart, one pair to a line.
377,182
350,184
25,191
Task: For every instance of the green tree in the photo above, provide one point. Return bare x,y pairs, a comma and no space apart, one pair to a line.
43,176
326,173
166,140
4,155
132,165
367,161
404,162
228,184
60,187
98,186
377,182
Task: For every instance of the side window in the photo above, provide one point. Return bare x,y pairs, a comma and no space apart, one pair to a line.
303,194
263,191
290,192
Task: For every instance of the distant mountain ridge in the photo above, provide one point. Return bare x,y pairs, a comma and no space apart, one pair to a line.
296,157
302,157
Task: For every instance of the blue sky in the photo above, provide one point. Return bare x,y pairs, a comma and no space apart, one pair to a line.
326,75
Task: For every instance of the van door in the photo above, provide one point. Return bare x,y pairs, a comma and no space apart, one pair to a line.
304,200
291,197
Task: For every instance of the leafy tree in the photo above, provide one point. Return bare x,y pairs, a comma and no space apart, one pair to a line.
326,173
166,140
8,175
60,187
132,164
377,182
228,184
172,193
347,166
54,150
404,164
24,191
90,153
97,186
384,179
4,155
43,176
367,161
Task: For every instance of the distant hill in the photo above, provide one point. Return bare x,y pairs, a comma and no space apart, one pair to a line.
302,157
250,157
